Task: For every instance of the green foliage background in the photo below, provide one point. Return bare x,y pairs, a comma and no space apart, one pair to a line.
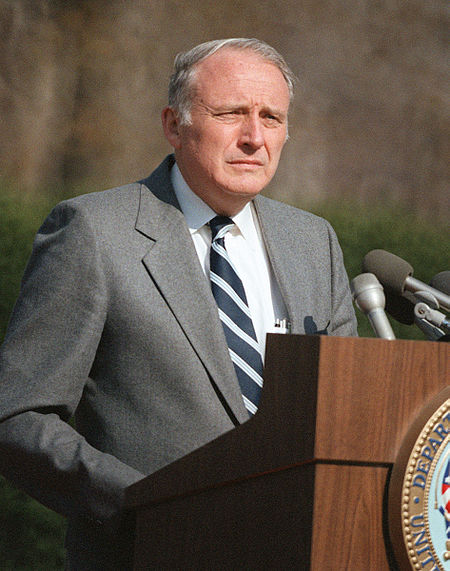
31,537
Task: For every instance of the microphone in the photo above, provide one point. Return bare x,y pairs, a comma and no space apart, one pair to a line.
369,297
441,281
396,275
401,307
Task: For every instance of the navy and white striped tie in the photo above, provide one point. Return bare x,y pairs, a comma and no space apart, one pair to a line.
234,313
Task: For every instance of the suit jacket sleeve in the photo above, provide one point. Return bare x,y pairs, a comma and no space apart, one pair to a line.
343,321
44,364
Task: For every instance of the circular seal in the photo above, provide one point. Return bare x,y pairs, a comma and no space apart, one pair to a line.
419,494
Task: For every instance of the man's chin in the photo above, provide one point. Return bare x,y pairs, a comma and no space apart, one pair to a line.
246,185
232,199
244,192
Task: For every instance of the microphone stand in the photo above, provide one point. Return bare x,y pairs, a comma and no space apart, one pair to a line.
432,322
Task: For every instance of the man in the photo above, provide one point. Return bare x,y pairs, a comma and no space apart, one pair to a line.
116,323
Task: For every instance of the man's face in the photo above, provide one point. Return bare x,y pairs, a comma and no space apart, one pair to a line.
231,149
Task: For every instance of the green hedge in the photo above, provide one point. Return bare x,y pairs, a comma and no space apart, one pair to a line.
31,537
415,238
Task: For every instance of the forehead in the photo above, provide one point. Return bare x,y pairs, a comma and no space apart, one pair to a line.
232,73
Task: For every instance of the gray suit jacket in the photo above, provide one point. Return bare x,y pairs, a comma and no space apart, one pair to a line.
116,325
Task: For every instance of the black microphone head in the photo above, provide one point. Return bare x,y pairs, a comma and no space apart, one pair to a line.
391,270
400,307
441,282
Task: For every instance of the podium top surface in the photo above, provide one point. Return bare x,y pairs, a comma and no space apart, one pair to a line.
325,399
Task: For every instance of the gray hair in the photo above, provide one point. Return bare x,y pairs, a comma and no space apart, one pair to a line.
180,84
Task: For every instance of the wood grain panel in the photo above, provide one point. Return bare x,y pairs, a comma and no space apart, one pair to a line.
348,519
382,385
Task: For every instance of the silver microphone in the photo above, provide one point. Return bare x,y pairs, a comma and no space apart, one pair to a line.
368,295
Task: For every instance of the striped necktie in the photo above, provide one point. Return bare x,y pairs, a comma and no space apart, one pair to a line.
235,316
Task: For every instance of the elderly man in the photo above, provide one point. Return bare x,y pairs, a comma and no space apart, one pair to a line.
144,309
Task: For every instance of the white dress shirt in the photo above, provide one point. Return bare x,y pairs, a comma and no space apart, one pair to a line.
246,249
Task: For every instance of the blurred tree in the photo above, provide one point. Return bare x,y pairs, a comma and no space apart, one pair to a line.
82,84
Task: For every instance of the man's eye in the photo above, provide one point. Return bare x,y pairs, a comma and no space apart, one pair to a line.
228,115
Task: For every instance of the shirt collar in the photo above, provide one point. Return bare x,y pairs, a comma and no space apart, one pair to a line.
197,213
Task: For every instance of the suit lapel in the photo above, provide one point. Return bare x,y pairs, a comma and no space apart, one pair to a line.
293,285
173,264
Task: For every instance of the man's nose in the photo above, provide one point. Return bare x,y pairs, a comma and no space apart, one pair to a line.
252,133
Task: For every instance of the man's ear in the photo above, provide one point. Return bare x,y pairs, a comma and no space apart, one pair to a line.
171,126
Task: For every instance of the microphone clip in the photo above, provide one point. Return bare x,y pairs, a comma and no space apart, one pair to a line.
431,321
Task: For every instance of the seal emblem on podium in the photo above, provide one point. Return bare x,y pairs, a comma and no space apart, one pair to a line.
420,495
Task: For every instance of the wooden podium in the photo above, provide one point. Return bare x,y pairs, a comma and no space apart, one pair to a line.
302,485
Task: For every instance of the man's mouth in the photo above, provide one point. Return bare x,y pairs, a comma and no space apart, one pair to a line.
247,162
